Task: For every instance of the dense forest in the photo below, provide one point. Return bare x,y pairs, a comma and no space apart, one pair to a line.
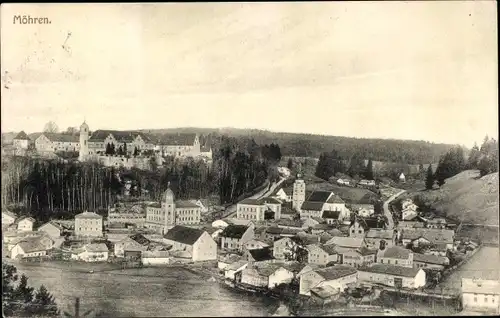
309,145
48,189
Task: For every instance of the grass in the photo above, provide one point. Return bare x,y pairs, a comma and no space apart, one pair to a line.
466,197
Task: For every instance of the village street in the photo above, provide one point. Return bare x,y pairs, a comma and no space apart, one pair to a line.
388,212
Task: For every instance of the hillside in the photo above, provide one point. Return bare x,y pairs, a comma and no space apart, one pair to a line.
467,197
310,145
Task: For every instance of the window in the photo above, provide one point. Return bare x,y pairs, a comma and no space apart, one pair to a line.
360,231
475,299
485,299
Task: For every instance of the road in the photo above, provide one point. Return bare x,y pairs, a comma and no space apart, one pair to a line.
231,210
387,211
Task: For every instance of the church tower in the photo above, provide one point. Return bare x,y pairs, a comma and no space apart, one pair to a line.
169,207
299,190
84,142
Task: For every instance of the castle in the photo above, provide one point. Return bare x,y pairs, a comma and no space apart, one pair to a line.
93,147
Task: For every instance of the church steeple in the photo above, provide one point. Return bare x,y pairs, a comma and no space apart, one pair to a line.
299,171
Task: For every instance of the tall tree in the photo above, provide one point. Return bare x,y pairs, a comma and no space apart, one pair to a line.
44,304
429,181
51,127
369,170
289,164
474,157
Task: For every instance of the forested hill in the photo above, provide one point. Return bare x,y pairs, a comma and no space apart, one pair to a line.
309,145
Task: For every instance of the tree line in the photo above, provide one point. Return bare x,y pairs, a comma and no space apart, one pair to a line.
47,189
332,163
21,300
484,159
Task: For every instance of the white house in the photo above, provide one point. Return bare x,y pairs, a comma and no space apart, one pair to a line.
88,224
236,267
28,248
393,275
94,252
197,243
234,236
338,277
402,177
285,194
8,217
25,224
21,141
52,229
481,294
281,275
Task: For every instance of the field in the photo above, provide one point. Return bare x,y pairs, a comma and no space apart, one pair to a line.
466,197
145,292
484,264
348,194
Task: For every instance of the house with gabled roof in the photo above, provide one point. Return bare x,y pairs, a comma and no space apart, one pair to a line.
396,255
25,224
438,240
481,295
347,242
28,248
55,142
285,194
337,277
93,252
430,261
259,255
359,257
21,141
197,243
234,236
8,217
266,276
136,242
319,201
53,229
393,275
375,235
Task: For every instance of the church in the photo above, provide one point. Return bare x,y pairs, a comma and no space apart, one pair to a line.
165,215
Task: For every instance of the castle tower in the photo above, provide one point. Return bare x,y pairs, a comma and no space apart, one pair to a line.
299,190
169,206
84,139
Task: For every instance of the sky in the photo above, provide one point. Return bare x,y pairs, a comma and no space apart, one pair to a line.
399,70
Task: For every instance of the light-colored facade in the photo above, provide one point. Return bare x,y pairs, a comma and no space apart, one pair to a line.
21,141
337,277
374,236
281,247
25,224
481,294
161,217
51,229
358,257
8,218
255,209
235,236
88,224
321,255
280,276
299,193
396,255
393,276
26,249
199,244
356,230
52,142
92,253
128,244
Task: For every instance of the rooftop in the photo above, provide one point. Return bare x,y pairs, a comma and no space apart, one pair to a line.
30,246
319,196
331,215
184,204
261,254
269,200
96,248
431,259
335,199
22,136
58,137
433,235
380,234
397,252
183,234
329,249
312,206
391,270
180,139
251,202
234,231
88,215
352,242
335,272
480,286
